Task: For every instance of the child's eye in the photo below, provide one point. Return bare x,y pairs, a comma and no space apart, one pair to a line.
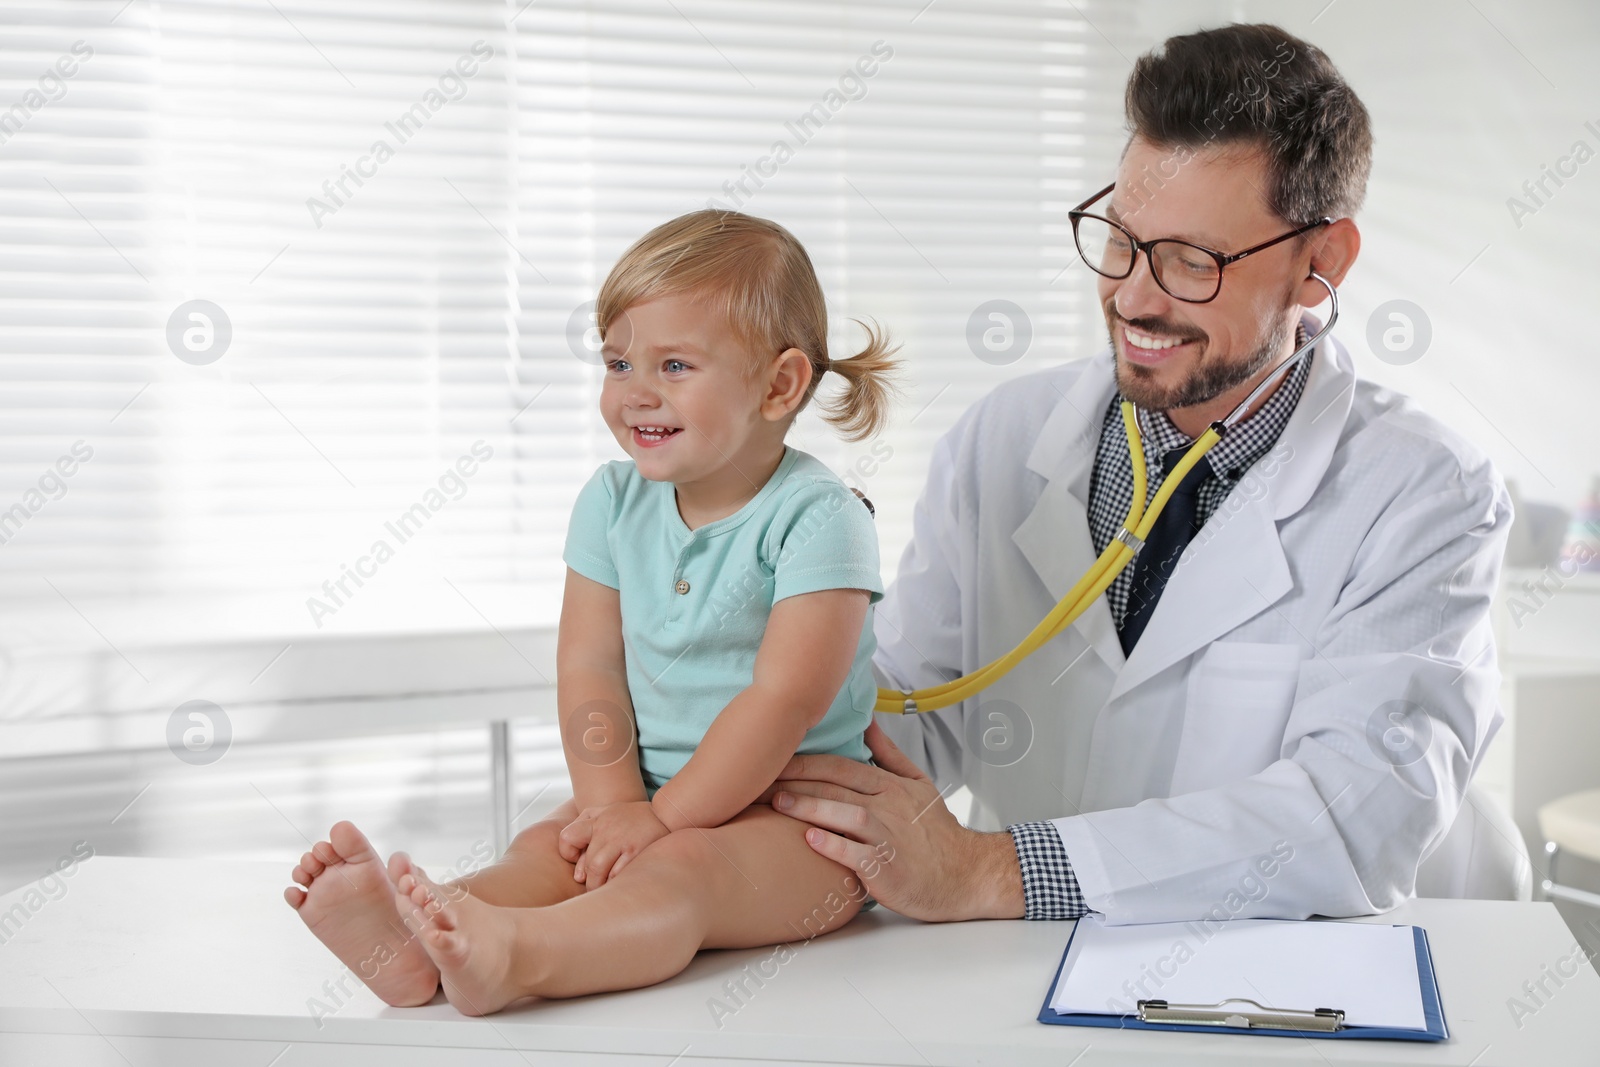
618,365
676,365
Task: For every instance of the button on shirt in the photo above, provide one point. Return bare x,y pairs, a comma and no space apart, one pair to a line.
695,603
1049,886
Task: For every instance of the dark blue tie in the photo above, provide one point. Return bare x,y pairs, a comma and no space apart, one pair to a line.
1175,527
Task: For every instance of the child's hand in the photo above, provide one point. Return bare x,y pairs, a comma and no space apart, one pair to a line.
602,840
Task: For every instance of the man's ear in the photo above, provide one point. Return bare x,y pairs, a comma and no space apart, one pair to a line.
787,380
1333,251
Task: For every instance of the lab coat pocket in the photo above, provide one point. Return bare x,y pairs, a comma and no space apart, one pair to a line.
1239,697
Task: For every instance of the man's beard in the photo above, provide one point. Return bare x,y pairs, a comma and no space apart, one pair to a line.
1207,380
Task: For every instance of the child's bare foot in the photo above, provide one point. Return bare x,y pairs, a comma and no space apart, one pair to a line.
468,940
349,903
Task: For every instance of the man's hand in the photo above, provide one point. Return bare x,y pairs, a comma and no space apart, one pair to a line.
898,836
601,841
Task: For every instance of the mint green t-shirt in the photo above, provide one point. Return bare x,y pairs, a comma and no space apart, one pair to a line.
695,602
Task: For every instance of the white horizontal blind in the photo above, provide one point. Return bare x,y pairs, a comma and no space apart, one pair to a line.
391,307
76,119
334,178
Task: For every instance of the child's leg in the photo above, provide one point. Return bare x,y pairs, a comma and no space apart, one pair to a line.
348,900
532,872
752,881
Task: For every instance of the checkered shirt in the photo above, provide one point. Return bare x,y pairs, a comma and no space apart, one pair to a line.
1049,886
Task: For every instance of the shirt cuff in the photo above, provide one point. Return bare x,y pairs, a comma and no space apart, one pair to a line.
1049,886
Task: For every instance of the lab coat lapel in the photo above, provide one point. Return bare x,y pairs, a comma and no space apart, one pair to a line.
1236,568
1054,538
1219,584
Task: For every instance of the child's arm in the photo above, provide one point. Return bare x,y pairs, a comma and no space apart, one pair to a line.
596,711
804,660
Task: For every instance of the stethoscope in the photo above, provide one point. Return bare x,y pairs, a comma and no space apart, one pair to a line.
1117,555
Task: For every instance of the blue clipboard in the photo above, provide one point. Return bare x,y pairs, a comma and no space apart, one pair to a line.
1432,1010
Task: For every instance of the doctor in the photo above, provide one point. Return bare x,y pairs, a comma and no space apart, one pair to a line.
1283,723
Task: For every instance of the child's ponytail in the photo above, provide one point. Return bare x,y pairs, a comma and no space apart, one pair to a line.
862,410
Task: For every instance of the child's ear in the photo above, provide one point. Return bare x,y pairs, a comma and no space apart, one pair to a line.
787,381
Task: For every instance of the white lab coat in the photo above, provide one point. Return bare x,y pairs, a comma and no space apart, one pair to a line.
1338,599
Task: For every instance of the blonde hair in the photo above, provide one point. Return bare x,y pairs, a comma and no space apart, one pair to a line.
758,276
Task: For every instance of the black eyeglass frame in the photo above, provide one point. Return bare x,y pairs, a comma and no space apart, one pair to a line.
1222,259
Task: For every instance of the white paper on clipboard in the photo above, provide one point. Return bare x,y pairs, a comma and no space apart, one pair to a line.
1367,970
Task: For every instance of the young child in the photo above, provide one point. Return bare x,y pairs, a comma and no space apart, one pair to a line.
716,620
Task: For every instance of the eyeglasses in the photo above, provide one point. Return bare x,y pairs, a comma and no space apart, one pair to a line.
1189,272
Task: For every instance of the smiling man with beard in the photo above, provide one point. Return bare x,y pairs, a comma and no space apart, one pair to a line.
1307,686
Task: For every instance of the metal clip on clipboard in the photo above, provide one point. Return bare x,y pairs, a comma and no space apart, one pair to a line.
1265,1018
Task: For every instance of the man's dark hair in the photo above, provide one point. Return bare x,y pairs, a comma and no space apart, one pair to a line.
1245,85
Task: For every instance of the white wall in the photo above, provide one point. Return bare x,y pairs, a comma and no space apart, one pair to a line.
1469,101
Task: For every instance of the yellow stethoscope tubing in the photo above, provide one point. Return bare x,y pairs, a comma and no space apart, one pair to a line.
1088,589
1117,554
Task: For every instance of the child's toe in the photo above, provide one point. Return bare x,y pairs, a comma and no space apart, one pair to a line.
447,943
350,843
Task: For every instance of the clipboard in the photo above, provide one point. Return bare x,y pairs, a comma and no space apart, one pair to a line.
1233,1017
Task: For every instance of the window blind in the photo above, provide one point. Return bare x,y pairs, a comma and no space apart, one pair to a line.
287,282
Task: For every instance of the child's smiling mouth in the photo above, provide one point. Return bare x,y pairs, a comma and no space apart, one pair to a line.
651,436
